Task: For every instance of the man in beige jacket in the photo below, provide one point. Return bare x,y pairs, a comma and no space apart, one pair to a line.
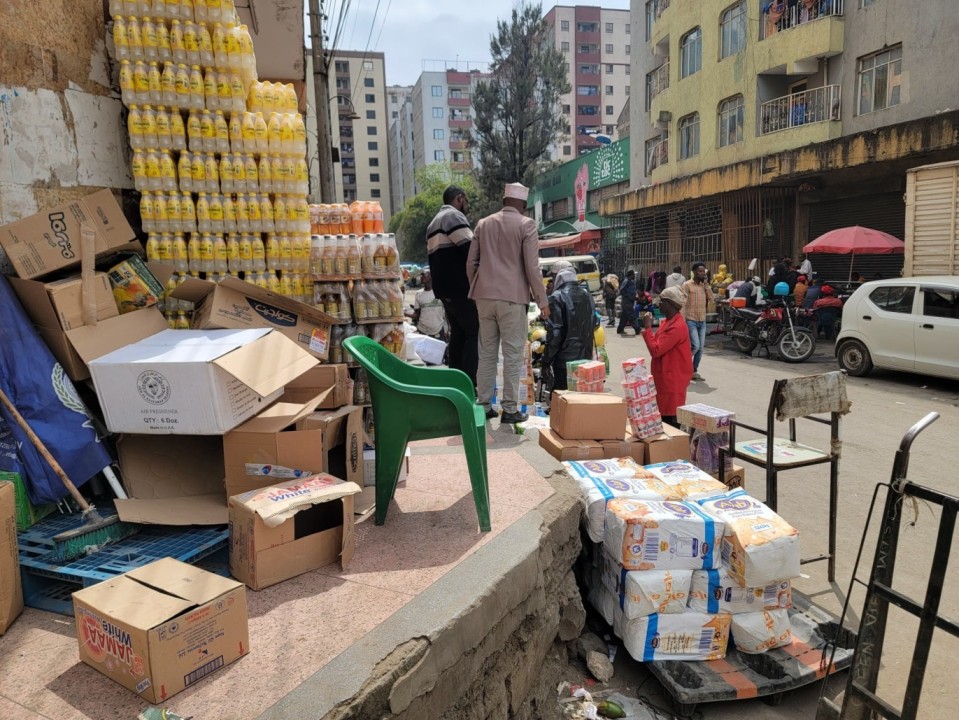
503,270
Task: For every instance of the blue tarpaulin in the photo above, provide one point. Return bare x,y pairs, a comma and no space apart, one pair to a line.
43,394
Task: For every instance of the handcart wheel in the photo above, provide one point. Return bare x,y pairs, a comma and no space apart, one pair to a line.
684,710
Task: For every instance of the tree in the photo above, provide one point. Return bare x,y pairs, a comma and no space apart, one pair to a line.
516,111
411,222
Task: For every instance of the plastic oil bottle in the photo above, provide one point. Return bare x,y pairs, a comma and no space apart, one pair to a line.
235,130
177,43
212,169
258,252
187,213
120,41
272,252
229,214
256,218
168,84
210,97
127,89
286,253
181,259
216,216
163,133
265,171
185,171
147,219
193,253
220,263
174,211
182,86
161,218
177,130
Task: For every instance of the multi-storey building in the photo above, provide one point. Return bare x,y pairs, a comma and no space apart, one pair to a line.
597,44
358,128
764,124
396,96
400,147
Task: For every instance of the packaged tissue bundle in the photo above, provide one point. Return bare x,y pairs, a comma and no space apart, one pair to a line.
690,636
686,481
651,535
757,632
600,481
644,592
759,547
717,591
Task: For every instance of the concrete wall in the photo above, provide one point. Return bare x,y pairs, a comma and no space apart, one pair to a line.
61,125
642,61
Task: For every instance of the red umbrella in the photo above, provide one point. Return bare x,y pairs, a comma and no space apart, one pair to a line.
856,239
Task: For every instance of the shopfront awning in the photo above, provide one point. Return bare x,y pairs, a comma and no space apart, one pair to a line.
558,241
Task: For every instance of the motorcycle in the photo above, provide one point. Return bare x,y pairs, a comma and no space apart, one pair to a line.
775,325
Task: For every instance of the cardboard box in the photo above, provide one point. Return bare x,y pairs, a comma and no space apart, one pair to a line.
160,628
269,448
234,304
50,240
11,592
671,444
195,382
587,416
563,449
369,467
27,514
735,478
704,417
323,377
626,446
290,528
58,304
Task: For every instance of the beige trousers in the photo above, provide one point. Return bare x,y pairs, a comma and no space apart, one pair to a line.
500,321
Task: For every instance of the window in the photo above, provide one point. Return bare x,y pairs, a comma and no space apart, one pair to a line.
564,46
627,69
565,109
609,68
564,25
587,90
589,69
940,302
374,177
627,28
627,90
371,130
731,121
586,49
866,3
610,129
439,134
567,150
691,52
627,49
459,157
650,17
394,99
394,115
437,112
893,299
372,145
587,109
367,64
609,49
609,27
371,114
456,93
436,90
587,27
342,84
369,97
375,193
689,136
609,89
341,67
609,109
349,179
880,79
367,82
732,29
374,162
439,155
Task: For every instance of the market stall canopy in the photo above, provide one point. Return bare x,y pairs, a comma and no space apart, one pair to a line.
558,241
856,240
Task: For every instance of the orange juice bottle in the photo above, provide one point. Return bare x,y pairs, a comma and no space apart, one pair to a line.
368,218
356,217
377,217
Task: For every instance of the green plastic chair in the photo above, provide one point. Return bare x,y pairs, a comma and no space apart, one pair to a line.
415,403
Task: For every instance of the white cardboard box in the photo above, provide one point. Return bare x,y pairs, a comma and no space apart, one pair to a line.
195,382
369,467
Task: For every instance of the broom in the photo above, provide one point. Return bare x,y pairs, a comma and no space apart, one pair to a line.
96,530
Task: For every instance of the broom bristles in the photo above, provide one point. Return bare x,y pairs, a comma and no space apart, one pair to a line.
91,536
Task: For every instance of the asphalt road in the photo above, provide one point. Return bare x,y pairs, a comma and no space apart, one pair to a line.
884,406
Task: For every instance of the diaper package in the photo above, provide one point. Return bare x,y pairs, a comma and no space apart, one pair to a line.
686,481
644,592
757,632
690,636
714,591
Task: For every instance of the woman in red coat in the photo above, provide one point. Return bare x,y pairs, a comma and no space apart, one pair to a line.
672,365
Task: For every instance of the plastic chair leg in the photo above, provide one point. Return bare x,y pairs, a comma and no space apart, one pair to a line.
474,443
389,456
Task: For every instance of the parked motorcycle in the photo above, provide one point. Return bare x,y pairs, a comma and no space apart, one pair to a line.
775,325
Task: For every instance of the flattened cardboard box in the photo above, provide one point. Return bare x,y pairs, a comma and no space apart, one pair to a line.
587,416
58,304
195,382
563,449
290,528
234,304
160,628
671,444
271,447
50,240
323,377
11,592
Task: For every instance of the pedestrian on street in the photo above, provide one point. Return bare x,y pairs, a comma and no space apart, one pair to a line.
676,278
610,293
503,271
627,293
799,292
698,296
448,242
569,329
805,266
672,359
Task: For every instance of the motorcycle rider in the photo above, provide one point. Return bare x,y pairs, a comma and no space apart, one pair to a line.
569,327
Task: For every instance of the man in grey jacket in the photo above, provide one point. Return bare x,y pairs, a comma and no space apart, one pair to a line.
503,270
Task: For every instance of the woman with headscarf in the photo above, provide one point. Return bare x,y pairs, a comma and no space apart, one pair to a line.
569,327
672,365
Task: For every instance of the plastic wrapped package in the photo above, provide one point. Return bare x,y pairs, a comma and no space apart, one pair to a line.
758,632
717,591
690,636
645,592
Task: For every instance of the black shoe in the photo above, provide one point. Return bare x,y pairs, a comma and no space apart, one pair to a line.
511,418
491,413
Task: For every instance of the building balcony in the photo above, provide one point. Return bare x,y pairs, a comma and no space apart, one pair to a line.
659,80
457,144
661,7
468,123
462,101
461,166
782,16
657,154
799,109
591,57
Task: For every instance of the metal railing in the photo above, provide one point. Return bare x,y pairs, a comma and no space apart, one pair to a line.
783,15
657,155
659,80
661,7
802,108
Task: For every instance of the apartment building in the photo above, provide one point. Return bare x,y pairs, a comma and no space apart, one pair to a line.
396,96
359,123
765,124
597,44
400,146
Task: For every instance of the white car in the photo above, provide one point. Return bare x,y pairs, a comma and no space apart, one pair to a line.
909,324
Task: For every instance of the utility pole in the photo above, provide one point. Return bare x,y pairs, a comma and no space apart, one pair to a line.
324,143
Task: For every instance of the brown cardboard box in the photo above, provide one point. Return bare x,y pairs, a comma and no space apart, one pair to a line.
735,478
290,528
272,442
671,444
160,628
11,592
234,304
58,304
629,446
50,240
322,377
587,416
563,449
342,441
369,469
195,382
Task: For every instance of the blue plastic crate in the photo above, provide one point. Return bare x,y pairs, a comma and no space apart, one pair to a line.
47,583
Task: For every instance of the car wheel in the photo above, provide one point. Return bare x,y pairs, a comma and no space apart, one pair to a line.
854,358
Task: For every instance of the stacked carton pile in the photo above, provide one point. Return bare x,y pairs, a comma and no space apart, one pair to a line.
586,375
639,389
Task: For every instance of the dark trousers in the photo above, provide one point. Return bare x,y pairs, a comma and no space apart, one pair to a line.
610,311
560,381
464,335
626,317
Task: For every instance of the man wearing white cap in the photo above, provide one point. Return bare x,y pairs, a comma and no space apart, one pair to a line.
503,270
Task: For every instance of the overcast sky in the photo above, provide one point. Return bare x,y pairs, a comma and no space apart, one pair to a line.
411,31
